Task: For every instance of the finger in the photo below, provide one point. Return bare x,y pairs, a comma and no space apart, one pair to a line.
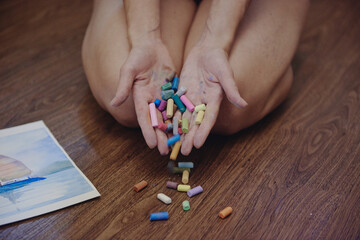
125,84
143,117
188,143
161,137
227,82
211,113
162,142
178,116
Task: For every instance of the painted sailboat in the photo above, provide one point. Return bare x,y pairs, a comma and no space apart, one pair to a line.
14,173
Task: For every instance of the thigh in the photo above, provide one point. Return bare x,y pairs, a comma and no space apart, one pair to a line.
106,47
260,57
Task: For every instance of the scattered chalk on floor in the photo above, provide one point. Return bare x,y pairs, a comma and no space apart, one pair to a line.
159,216
195,191
173,98
165,199
225,212
186,205
139,186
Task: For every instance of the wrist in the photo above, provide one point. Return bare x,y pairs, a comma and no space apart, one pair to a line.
137,38
216,39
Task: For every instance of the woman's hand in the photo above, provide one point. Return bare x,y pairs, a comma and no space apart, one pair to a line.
143,73
206,74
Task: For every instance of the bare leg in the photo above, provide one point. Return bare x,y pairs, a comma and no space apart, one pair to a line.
260,57
106,48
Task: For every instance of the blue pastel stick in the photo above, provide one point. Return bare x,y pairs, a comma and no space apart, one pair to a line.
173,139
157,102
186,164
175,83
159,216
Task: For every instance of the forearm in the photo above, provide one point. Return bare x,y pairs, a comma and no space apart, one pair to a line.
143,20
223,20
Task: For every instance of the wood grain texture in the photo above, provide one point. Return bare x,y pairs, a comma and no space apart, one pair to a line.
293,175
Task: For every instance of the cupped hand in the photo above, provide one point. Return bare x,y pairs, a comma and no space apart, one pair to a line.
143,73
206,74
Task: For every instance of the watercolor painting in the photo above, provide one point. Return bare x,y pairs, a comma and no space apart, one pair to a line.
36,174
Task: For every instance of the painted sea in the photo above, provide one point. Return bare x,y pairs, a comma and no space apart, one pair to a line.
55,187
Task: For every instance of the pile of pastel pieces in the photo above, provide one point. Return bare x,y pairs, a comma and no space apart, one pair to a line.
173,98
184,168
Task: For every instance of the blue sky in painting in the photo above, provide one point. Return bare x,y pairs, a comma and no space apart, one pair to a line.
35,148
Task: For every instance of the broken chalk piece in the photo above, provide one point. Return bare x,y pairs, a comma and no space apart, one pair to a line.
140,185
186,164
195,191
165,199
186,205
154,120
175,150
225,212
172,185
159,216
183,188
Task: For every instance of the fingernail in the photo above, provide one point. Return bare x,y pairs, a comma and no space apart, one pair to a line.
114,102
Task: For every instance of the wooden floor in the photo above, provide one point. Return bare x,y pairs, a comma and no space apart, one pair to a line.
293,175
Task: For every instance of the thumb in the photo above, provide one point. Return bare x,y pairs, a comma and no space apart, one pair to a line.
227,82
126,80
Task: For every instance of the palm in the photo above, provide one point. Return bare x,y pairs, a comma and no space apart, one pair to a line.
148,68
205,74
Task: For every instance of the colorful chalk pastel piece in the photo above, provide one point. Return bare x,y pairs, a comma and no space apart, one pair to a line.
165,199
157,102
170,108
199,117
195,191
225,212
166,86
185,125
173,139
200,107
162,105
185,177
179,103
180,170
162,126
186,205
165,95
139,186
181,91
175,151
153,116
163,113
172,185
175,83
186,164
187,103
159,216
183,188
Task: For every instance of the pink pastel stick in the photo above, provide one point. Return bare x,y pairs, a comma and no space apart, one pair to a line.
154,120
187,103
164,115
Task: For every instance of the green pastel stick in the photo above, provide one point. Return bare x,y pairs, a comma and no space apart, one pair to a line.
185,125
166,86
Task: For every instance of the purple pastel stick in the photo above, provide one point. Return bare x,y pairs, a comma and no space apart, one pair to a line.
172,185
164,115
162,105
195,191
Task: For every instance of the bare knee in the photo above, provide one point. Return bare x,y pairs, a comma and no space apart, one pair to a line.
231,119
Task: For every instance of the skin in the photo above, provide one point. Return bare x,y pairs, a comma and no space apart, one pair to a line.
127,58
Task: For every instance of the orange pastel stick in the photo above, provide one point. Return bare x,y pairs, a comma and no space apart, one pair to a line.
140,185
225,212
